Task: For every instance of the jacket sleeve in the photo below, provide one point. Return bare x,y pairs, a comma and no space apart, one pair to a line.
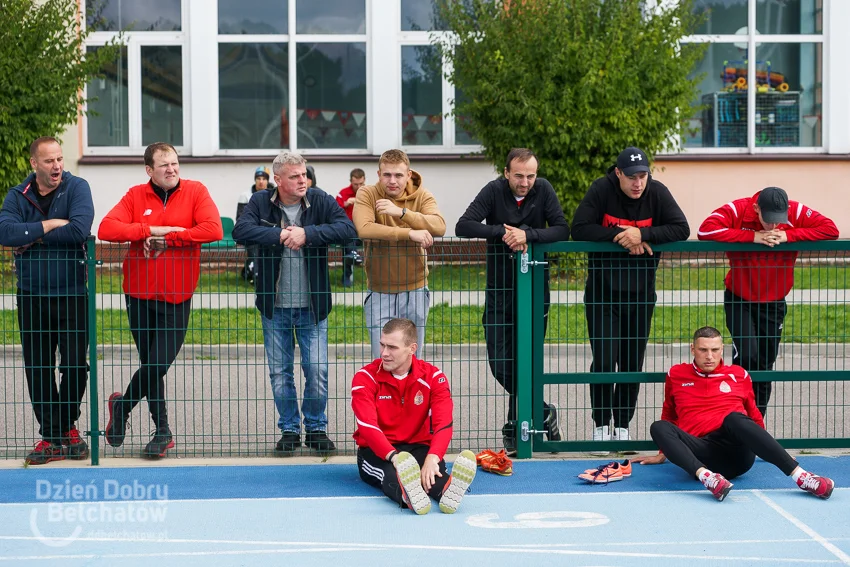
724,225
672,224
14,231
587,221
469,225
119,225
558,230
251,228
442,409
750,402
80,216
335,226
428,217
809,225
206,218
668,410
364,390
366,223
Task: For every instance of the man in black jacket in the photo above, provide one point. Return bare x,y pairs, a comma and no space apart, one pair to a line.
292,227
630,208
516,209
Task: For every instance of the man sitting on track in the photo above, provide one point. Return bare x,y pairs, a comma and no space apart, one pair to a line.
403,408
710,421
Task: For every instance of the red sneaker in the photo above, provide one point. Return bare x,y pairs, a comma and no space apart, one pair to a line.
820,486
45,452
75,447
718,485
497,463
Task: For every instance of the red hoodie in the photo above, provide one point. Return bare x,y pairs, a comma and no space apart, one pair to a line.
763,276
344,195
173,275
389,411
698,402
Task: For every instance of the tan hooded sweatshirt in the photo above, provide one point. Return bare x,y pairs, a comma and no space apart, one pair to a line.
393,262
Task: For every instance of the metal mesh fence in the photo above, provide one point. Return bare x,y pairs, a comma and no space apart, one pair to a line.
219,399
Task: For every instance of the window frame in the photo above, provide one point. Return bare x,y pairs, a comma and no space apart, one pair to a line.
135,40
827,143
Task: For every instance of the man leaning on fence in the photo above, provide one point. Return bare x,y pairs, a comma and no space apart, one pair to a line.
710,425
516,209
401,444
47,219
165,221
292,228
628,207
397,219
757,283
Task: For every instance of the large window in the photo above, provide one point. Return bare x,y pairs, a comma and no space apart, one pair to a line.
761,90
140,98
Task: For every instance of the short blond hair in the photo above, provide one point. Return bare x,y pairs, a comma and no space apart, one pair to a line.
406,326
392,157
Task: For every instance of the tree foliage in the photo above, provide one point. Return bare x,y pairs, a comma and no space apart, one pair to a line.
43,69
574,80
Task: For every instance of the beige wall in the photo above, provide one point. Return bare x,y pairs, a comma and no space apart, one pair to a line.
701,186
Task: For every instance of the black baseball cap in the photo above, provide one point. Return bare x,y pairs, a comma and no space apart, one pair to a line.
773,204
632,160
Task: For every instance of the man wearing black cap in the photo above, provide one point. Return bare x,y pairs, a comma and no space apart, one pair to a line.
261,183
630,208
757,284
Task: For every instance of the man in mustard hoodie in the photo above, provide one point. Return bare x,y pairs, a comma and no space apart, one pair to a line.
397,219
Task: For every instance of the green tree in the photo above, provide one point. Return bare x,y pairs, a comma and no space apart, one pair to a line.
574,80
43,69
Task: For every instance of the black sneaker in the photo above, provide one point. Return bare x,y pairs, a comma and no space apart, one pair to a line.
75,448
319,441
288,443
161,442
553,429
509,438
45,452
117,426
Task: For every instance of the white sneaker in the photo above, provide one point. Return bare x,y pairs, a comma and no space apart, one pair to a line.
620,434
601,434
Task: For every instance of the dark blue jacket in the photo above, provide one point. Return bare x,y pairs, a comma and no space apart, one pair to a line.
324,222
53,262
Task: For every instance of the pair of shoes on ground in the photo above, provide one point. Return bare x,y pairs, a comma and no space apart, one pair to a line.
412,493
611,472
550,425
317,440
497,463
606,433
116,430
71,446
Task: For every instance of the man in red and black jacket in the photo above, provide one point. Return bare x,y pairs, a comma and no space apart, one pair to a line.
757,283
710,422
165,221
630,208
403,409
346,199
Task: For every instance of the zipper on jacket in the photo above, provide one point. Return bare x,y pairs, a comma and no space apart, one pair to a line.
165,201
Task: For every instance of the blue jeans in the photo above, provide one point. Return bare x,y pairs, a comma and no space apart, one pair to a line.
280,352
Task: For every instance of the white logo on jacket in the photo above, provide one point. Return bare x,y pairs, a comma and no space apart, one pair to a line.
725,388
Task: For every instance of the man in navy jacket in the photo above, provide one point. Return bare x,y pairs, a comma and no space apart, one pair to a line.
292,226
47,220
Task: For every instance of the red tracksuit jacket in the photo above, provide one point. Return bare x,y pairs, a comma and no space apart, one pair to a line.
345,194
698,402
767,276
173,275
388,411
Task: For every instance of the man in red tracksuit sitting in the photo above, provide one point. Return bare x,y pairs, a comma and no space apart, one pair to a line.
757,283
710,422
403,409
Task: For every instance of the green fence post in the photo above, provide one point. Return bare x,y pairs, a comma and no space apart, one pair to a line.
523,352
94,417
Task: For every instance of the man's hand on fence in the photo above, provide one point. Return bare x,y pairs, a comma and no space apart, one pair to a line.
629,238
293,237
154,245
774,237
640,249
163,230
422,237
515,238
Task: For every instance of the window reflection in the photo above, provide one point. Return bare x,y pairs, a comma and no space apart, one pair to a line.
330,16
118,15
253,16
108,119
162,95
421,96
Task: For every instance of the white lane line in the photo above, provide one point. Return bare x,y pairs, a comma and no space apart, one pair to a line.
804,528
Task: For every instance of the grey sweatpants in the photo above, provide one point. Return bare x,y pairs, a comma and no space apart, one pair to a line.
379,308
